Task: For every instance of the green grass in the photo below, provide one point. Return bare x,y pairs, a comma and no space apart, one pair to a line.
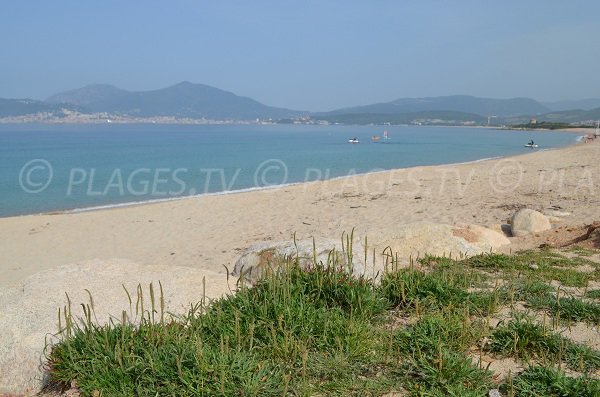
417,292
567,308
593,294
524,338
446,373
523,289
435,351
256,342
542,265
550,382
581,251
320,332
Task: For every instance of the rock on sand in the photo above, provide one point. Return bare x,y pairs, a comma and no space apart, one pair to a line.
258,257
28,312
527,221
419,239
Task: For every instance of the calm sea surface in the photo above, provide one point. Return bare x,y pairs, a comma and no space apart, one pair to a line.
47,168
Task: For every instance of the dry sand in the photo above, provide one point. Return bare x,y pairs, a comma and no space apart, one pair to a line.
208,232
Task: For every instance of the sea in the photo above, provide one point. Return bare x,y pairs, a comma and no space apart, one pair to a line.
48,168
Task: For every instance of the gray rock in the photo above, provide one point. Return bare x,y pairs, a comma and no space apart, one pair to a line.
29,312
259,258
527,221
419,239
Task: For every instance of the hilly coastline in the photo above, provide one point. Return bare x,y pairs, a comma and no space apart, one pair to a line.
188,102
455,103
22,107
181,100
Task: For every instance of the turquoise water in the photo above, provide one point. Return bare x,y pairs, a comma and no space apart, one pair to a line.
59,167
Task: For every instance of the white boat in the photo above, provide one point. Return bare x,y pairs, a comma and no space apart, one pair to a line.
386,136
531,146
353,140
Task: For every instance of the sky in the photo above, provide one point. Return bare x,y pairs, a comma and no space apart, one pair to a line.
305,55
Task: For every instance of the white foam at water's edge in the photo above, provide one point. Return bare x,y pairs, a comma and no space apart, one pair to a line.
262,188
162,200
244,190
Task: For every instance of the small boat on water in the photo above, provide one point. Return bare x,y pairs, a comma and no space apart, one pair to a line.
377,138
353,140
531,144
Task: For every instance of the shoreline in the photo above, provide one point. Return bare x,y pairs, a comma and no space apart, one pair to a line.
249,190
126,204
208,232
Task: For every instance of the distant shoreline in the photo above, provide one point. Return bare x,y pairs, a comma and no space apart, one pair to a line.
151,201
22,120
116,120
572,129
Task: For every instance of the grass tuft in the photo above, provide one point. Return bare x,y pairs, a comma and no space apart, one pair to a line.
522,337
593,294
550,382
319,331
567,308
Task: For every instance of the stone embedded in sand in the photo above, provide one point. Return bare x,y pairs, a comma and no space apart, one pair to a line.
257,258
555,216
419,239
28,312
556,213
527,221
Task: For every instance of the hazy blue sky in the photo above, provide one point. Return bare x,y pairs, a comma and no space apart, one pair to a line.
313,55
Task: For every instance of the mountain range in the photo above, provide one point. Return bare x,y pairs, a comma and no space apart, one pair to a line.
583,104
198,101
454,103
180,100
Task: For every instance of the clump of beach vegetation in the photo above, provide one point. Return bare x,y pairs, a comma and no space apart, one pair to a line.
433,328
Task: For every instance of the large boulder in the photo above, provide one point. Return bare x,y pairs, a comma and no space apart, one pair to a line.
425,238
260,257
527,221
29,312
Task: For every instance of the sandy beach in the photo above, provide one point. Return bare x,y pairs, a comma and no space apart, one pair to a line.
209,232
51,261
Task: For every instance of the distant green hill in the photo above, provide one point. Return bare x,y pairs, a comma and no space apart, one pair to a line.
584,104
456,103
22,107
88,96
572,116
181,100
196,101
